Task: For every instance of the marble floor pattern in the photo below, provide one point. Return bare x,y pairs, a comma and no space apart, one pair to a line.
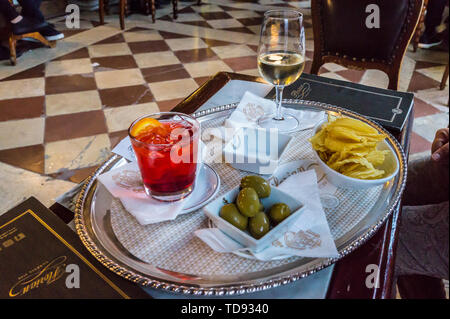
63,109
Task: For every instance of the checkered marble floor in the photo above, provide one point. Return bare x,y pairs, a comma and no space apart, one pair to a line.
63,109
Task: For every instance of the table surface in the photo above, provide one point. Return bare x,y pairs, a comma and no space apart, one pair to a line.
350,273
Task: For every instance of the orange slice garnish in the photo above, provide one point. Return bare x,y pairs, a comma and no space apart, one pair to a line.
144,125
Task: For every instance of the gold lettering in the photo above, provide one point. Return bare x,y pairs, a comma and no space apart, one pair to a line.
47,275
8,243
19,237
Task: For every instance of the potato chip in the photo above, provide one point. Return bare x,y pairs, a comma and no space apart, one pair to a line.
349,146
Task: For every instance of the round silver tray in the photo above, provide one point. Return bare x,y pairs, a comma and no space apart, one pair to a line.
93,225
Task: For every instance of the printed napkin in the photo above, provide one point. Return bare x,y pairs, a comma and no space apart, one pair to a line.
252,107
309,236
246,114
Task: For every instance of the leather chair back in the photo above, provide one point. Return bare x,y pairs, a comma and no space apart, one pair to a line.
341,34
345,30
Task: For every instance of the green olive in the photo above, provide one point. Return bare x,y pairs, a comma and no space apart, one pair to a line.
279,212
248,202
259,184
261,207
259,225
231,214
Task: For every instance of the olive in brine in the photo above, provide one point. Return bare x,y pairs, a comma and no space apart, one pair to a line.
248,202
279,212
259,225
231,214
259,184
261,207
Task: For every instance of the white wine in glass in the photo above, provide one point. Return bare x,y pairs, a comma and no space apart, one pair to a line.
281,68
281,60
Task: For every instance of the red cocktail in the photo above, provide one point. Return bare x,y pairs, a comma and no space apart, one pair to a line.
166,146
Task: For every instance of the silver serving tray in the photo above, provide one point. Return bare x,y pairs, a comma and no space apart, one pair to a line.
93,225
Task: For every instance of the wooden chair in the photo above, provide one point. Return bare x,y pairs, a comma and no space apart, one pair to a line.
444,78
103,5
444,81
150,8
420,27
341,35
12,40
175,7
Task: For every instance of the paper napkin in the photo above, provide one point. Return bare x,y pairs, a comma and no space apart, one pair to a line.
125,183
309,236
252,107
124,149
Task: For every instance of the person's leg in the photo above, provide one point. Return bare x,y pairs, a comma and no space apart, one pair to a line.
433,18
8,10
420,287
31,9
423,229
19,23
427,183
423,242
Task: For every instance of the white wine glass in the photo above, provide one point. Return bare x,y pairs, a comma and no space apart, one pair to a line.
281,60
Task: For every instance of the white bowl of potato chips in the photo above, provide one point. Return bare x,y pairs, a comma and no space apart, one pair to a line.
353,154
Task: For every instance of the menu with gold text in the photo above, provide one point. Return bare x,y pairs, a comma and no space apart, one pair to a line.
387,107
41,257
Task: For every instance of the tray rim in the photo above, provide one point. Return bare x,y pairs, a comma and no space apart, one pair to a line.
146,280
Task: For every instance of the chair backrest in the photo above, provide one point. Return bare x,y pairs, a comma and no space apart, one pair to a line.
342,34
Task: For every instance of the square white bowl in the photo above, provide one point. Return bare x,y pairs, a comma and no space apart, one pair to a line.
256,150
212,210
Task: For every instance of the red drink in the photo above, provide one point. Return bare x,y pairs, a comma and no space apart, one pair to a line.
166,146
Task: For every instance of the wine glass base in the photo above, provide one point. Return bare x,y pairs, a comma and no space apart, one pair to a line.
288,124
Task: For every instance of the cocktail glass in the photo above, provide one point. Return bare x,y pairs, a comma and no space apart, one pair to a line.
166,152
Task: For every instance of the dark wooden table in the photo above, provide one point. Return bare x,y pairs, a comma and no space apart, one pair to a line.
349,275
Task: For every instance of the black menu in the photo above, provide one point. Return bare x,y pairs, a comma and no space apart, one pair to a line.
41,257
387,107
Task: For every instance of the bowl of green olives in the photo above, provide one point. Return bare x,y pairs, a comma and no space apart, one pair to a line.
254,214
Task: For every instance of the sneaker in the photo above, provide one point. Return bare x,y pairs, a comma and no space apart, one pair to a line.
427,41
31,40
27,25
51,34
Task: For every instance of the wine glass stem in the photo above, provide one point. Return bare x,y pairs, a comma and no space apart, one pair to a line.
279,98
